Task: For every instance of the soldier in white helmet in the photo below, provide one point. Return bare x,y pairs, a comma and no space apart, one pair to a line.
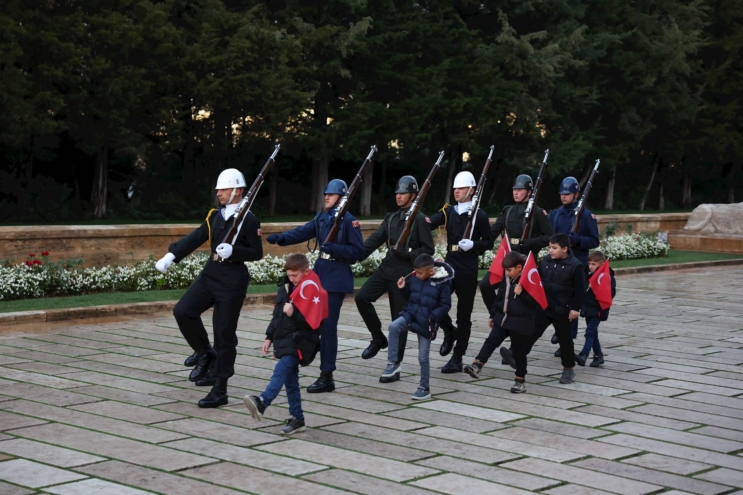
463,255
222,284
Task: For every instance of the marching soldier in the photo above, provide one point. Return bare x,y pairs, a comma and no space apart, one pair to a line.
334,269
463,255
222,284
397,263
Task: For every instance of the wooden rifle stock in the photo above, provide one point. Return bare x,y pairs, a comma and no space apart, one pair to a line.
529,213
477,197
402,241
584,197
247,201
345,201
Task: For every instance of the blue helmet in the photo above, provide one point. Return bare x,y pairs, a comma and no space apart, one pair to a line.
336,186
569,185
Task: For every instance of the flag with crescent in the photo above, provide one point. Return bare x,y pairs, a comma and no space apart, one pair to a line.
496,267
600,283
311,300
531,282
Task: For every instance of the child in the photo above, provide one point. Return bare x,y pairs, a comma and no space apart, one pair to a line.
514,314
294,339
429,299
593,313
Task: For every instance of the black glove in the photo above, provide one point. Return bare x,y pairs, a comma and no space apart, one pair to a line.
274,238
401,254
574,239
328,248
526,244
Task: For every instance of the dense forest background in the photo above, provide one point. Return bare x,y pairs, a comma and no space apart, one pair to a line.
128,109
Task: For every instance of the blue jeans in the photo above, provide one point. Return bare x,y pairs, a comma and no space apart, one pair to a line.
592,338
286,373
329,332
424,348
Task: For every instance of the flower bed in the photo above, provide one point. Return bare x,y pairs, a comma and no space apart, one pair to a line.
41,277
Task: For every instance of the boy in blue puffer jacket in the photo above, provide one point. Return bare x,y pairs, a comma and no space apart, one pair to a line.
429,300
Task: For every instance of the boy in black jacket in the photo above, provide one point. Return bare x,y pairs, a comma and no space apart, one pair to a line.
593,313
295,342
513,314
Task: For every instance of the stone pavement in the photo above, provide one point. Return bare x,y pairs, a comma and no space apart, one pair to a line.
106,408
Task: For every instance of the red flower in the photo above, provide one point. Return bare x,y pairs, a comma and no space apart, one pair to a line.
45,253
36,262
28,263
32,255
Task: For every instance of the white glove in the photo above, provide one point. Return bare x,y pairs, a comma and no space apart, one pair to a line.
224,250
466,244
165,262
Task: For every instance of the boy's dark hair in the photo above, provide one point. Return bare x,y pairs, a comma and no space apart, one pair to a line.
513,259
562,239
423,261
296,261
596,256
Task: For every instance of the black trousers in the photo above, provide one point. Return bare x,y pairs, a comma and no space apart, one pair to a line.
488,291
465,285
227,300
562,330
374,288
494,340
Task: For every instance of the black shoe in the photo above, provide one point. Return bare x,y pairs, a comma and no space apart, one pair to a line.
597,361
453,366
293,426
191,360
255,406
208,381
206,359
323,384
507,355
449,338
558,353
218,395
375,346
580,359
554,339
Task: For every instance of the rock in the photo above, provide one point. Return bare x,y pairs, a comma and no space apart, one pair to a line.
717,219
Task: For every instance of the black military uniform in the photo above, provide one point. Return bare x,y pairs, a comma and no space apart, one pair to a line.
465,264
395,265
222,284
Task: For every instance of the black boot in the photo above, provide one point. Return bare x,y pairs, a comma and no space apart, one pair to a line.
191,360
209,379
218,395
206,359
453,366
323,384
375,346
447,345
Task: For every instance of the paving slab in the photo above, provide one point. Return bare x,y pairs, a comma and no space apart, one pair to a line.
48,454
99,487
668,464
34,475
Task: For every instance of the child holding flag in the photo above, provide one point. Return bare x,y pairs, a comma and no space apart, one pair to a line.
602,287
300,307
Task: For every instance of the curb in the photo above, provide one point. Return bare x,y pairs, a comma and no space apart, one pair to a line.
133,309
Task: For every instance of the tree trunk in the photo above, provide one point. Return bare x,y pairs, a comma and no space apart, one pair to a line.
319,181
272,188
100,183
654,165
365,194
452,163
661,200
382,179
609,203
686,191
585,177
731,185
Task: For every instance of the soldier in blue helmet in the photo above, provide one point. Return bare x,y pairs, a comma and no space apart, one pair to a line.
581,242
334,269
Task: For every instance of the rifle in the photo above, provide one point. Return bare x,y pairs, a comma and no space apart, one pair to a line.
582,203
244,207
529,213
477,197
402,241
345,201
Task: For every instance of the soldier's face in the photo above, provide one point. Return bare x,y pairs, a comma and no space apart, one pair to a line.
331,200
403,200
223,195
461,194
519,195
568,199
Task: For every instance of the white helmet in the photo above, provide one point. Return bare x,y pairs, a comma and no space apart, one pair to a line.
230,178
464,179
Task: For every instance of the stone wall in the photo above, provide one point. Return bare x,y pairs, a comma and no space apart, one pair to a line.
100,245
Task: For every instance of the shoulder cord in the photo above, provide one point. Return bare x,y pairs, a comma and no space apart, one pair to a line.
317,233
208,226
446,217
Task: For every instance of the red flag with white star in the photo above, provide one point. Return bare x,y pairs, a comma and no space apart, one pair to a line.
531,282
600,283
311,300
496,267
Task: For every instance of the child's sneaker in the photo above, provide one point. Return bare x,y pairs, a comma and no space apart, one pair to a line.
519,387
421,394
597,361
567,376
474,369
293,425
507,355
391,373
255,406
581,359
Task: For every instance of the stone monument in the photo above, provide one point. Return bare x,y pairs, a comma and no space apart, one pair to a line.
716,219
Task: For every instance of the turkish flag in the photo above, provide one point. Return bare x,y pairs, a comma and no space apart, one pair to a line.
496,267
600,283
311,300
531,282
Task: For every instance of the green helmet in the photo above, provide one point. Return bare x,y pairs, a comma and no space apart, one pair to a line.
406,184
523,181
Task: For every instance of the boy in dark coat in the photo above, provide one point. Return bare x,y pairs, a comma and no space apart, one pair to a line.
295,341
429,300
513,314
594,314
